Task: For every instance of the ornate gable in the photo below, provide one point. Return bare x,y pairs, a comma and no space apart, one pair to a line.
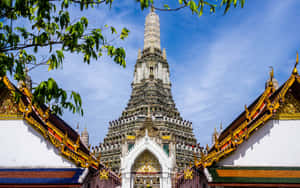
9,108
289,109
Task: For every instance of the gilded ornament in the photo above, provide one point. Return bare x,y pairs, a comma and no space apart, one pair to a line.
103,174
297,61
188,174
247,112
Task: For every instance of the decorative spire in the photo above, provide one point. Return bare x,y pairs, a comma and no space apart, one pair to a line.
152,30
27,82
139,54
272,82
77,128
215,136
164,54
271,73
85,137
295,71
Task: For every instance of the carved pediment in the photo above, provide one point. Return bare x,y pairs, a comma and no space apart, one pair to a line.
149,126
8,106
289,109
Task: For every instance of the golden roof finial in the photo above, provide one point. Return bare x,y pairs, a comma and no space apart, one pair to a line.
271,73
270,81
215,131
207,147
295,71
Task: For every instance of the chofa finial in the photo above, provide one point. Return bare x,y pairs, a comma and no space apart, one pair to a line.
271,73
295,71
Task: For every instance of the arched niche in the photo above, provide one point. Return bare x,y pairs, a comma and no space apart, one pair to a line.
146,144
146,170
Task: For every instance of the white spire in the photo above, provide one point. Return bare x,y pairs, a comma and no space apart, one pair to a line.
152,31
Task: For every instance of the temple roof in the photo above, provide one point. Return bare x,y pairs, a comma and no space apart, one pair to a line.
267,106
37,176
254,176
52,127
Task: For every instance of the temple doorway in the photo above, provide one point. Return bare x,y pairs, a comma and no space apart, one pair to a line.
146,171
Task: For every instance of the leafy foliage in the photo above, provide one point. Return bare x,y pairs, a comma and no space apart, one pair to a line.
49,26
197,7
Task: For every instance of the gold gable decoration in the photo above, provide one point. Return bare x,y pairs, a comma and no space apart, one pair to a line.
9,108
188,174
290,109
103,174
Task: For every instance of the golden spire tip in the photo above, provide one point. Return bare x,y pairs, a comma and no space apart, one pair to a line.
295,71
271,73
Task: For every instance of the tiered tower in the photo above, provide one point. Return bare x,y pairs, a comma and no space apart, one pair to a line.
150,107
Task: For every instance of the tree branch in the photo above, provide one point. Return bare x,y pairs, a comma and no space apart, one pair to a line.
172,9
29,46
88,2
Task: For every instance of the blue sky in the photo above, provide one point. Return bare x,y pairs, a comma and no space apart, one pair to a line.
218,63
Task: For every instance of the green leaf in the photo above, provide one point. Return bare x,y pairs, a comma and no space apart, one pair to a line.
180,1
166,6
113,30
124,33
235,3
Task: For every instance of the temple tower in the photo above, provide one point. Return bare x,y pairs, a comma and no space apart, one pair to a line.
150,113
85,137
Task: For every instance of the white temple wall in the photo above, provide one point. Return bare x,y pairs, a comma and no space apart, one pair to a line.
22,146
274,144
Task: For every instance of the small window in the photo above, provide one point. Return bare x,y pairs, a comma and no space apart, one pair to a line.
166,148
151,70
130,146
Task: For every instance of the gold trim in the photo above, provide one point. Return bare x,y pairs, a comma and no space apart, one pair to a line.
130,137
103,174
286,116
11,117
166,137
188,174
